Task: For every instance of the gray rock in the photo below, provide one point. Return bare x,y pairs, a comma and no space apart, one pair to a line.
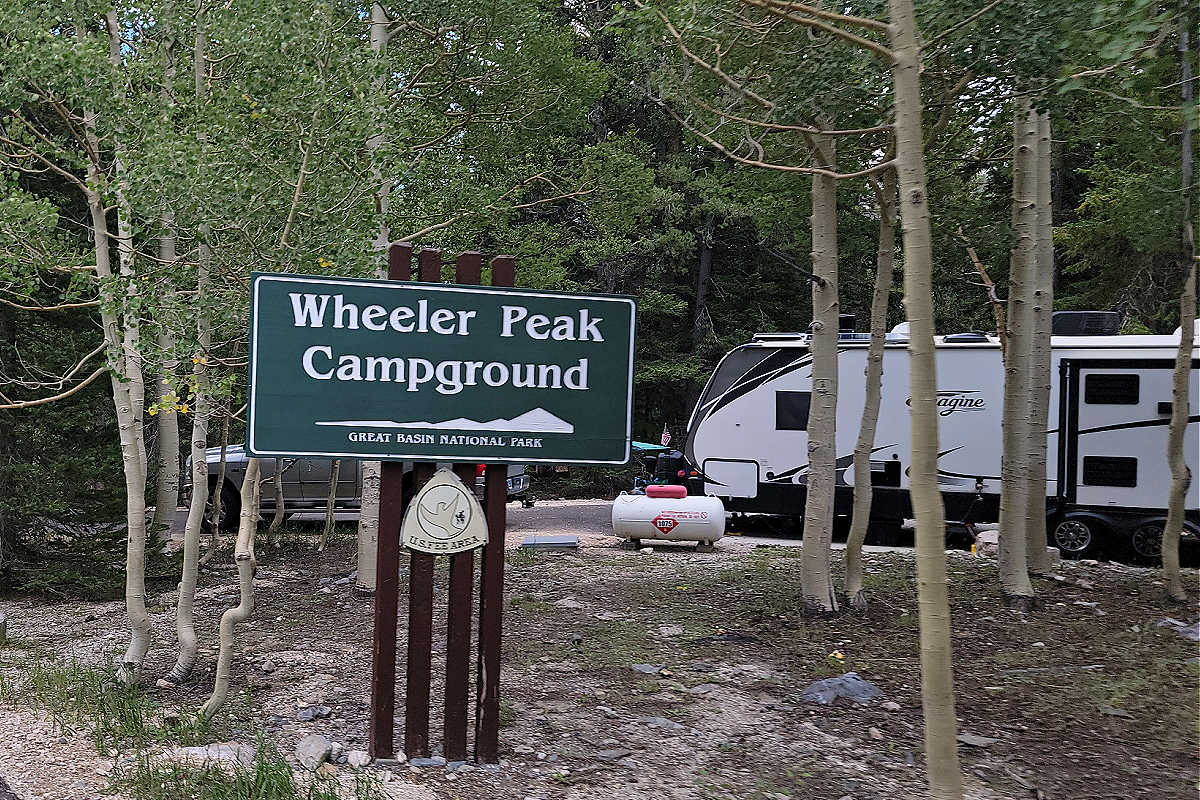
704,688
671,630
1115,712
875,733
358,758
646,550
661,722
452,766
848,685
615,754
209,755
269,666
648,669
972,740
1191,632
568,602
312,751
607,712
890,705
310,713
435,761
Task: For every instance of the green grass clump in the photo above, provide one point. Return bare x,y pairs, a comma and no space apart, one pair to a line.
269,777
119,716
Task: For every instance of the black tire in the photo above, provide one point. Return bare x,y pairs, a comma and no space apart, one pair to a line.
1076,537
231,507
1145,542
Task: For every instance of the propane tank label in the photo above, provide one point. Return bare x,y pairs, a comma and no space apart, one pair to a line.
667,520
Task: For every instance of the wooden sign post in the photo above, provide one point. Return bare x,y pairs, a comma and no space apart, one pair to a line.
419,672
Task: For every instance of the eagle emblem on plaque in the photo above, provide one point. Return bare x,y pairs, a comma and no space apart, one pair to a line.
444,517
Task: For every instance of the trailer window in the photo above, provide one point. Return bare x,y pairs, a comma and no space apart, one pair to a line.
791,410
1109,471
1116,389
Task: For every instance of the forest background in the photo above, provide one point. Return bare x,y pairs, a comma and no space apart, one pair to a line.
280,136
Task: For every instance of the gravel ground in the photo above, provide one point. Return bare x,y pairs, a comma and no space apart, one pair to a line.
40,759
1060,696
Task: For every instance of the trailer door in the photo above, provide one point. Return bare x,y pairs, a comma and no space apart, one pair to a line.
1116,443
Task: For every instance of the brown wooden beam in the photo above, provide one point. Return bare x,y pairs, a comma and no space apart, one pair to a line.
491,586
381,727
419,672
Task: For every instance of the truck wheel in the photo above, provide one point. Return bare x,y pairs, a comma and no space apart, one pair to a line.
1076,537
1146,542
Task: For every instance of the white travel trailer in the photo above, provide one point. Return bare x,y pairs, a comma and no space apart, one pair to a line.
1107,473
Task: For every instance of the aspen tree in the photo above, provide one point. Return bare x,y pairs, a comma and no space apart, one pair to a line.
816,583
167,442
1041,311
884,264
330,500
185,625
128,382
937,673
277,484
243,555
1014,493
1181,476
372,471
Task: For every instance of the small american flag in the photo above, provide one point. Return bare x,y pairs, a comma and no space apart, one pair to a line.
666,436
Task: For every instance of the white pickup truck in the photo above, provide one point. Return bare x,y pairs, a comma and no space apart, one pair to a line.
306,483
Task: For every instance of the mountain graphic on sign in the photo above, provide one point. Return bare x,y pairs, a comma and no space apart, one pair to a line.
537,420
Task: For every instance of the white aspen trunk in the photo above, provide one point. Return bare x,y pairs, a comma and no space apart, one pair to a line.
368,527
1181,476
1040,312
937,674
166,496
130,407
243,556
135,558
371,471
330,500
222,462
1014,492
185,625
277,483
884,263
816,582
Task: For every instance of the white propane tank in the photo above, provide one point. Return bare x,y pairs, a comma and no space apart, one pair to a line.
673,519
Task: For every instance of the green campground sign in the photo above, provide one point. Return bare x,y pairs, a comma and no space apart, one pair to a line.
387,370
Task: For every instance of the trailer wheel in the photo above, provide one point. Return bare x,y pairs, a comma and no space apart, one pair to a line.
1075,537
1146,542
